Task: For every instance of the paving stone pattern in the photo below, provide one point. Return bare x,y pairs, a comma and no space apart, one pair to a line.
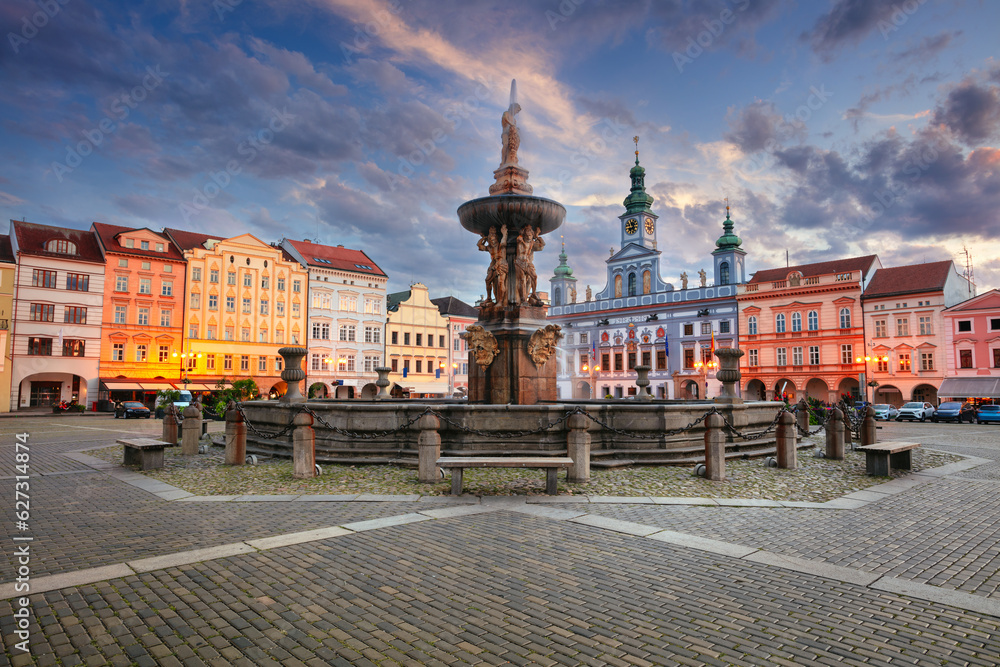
82,521
493,590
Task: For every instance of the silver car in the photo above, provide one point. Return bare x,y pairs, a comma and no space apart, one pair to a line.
885,411
915,411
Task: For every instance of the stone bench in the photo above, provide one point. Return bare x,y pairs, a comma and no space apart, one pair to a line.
551,465
880,458
144,452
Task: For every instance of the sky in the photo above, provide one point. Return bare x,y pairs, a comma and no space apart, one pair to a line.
835,128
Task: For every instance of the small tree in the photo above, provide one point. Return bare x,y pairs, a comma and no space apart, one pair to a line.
240,391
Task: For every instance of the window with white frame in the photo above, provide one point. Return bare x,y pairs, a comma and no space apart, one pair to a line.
845,318
141,351
925,326
195,300
248,280
812,321
143,317
796,356
347,332
373,306
779,323
316,363
264,307
752,359
814,355
782,356
121,312
926,361
121,283
752,325
167,288
213,276
371,363
165,318
213,302
118,352
262,365
196,274
796,321
321,330
348,304
880,329
245,334
145,285
247,306
847,354
902,326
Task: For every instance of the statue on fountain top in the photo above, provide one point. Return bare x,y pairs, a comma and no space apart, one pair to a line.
510,177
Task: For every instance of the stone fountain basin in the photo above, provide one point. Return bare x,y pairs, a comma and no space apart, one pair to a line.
515,211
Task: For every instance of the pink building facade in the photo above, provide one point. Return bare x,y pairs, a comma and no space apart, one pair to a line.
972,345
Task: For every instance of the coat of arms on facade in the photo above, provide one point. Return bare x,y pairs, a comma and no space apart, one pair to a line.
542,343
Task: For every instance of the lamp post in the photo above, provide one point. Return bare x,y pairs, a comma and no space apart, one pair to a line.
868,380
703,367
593,381
184,357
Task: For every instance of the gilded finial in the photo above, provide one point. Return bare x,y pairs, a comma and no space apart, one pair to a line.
727,208
636,140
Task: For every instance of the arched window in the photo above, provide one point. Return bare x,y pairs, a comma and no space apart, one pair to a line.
845,318
61,246
752,325
779,323
813,321
724,273
618,285
631,284
556,297
796,321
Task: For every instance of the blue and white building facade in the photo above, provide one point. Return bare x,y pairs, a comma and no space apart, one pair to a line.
639,319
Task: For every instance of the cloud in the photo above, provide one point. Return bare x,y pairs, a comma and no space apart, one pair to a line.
760,125
676,24
972,112
926,49
848,22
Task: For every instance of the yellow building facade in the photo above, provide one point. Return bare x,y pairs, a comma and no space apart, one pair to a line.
244,300
417,345
7,276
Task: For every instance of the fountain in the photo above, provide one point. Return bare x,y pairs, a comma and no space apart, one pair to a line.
512,372
511,345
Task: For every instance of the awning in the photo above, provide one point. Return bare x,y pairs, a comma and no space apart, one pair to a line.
425,387
156,386
122,386
196,386
970,388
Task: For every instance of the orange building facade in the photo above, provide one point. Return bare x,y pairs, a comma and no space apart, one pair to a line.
142,315
245,299
802,329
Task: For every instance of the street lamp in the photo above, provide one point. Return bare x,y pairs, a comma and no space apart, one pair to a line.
703,368
869,382
593,382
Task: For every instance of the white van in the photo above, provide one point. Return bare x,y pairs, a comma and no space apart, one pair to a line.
181,403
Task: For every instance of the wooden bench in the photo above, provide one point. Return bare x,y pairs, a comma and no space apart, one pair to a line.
143,452
881,457
551,465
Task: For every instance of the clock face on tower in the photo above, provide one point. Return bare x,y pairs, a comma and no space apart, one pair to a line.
631,226
649,225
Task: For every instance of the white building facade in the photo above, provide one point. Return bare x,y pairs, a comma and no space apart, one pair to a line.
346,329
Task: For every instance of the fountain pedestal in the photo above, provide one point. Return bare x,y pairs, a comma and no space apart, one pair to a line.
513,376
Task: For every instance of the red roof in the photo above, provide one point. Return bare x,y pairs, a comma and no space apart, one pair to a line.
106,235
929,277
336,257
862,264
32,237
188,240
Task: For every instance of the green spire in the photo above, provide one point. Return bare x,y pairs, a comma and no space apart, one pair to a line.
728,240
563,270
638,201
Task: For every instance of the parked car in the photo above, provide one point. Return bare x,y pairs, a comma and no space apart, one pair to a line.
915,411
953,411
136,409
988,413
885,411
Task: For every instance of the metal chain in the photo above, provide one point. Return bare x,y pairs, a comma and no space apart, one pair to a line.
643,436
366,436
263,434
751,436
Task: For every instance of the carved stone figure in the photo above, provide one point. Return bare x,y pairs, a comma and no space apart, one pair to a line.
684,280
702,276
542,343
528,241
590,295
511,138
572,295
482,343
496,275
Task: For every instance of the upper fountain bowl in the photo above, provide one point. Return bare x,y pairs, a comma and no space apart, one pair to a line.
515,211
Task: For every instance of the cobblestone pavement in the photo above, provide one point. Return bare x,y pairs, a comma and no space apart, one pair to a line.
500,582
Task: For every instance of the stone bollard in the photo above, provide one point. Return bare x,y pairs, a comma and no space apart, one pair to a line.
236,436
868,435
578,448
715,449
848,429
802,416
428,449
303,446
191,429
786,441
835,435
169,425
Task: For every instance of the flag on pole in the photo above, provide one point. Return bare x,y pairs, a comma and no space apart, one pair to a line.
711,350
666,346
593,351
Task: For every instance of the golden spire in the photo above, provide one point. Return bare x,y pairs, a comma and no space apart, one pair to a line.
636,140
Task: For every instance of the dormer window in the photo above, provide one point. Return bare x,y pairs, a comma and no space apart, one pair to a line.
144,245
129,243
159,247
61,246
